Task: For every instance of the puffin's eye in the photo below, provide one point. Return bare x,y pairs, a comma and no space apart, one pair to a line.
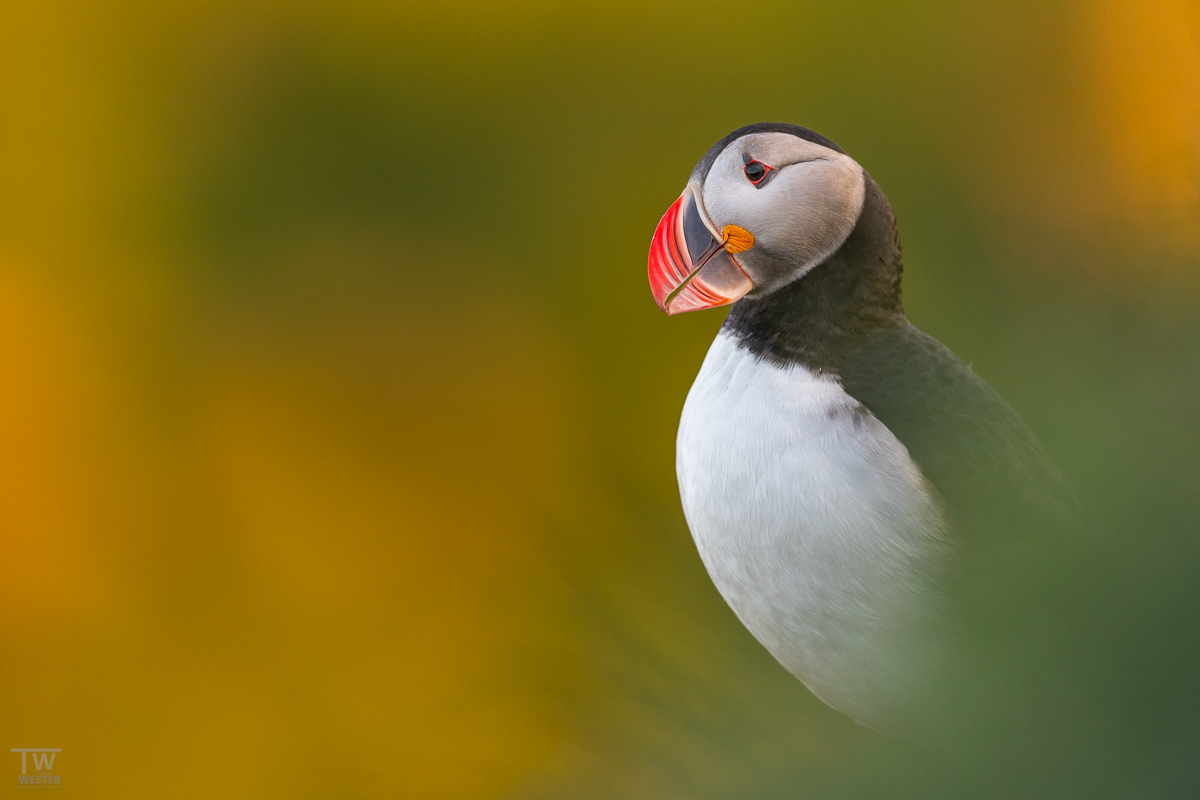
756,171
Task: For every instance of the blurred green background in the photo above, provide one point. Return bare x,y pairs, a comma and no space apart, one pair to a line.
337,421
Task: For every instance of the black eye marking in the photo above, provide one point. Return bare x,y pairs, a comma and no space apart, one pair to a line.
757,172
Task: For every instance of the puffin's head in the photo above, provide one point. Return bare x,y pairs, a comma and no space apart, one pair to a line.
764,206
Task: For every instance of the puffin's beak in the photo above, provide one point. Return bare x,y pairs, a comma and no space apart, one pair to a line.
691,267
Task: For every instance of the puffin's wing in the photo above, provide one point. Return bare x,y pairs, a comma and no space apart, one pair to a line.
969,443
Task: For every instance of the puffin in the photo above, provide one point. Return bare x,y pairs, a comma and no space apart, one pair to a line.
836,465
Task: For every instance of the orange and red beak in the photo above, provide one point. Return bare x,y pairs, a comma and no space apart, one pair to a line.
691,267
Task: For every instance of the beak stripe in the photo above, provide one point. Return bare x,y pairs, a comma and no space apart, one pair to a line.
677,281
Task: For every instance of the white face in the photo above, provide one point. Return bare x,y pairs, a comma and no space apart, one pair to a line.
799,215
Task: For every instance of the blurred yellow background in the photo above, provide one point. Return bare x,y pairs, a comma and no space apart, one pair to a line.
337,421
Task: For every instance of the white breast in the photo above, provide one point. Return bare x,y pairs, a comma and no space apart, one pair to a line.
815,525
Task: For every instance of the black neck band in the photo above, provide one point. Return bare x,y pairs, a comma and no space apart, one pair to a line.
826,313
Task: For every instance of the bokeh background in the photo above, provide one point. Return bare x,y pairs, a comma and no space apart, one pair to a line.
337,422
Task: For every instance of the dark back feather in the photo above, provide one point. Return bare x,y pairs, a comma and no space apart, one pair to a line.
968,441
844,318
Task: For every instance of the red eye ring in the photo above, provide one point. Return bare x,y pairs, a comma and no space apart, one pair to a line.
756,171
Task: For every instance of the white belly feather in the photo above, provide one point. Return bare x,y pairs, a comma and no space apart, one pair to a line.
815,525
